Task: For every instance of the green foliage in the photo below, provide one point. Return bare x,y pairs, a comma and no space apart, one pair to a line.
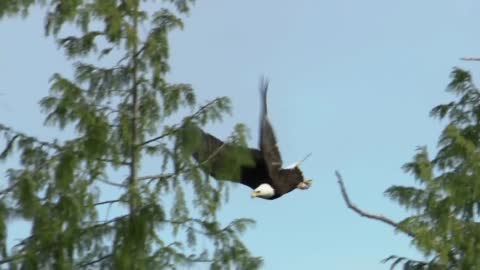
118,113
446,225
14,7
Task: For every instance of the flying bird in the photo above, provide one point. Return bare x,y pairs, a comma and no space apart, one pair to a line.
264,173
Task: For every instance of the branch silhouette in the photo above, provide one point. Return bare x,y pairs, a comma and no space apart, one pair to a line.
366,214
470,58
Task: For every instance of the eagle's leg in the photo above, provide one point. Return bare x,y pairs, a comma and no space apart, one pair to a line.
304,184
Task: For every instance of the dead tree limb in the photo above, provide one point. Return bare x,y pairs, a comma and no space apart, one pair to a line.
470,58
366,214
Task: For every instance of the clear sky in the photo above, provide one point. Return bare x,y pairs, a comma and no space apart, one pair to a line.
351,81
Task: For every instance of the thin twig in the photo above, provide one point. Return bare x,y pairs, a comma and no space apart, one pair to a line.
124,163
305,158
156,138
203,108
134,56
96,261
155,176
107,202
216,152
108,182
365,213
470,58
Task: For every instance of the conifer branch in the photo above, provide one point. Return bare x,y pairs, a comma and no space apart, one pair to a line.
58,167
156,176
366,214
158,137
178,126
53,145
84,265
108,202
134,55
135,113
8,189
108,182
124,163
17,133
203,108
10,259
182,222
183,169
107,222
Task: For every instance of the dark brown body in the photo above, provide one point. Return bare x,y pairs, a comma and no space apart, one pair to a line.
252,173
264,165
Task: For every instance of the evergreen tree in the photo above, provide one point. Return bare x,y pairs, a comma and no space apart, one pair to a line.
119,114
446,201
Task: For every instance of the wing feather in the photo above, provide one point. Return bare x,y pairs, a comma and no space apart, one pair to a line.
268,141
223,161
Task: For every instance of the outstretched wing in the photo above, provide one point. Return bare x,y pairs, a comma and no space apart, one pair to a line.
225,161
268,142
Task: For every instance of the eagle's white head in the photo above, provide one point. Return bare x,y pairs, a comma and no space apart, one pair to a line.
264,191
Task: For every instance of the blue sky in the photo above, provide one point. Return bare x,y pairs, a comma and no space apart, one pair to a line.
350,81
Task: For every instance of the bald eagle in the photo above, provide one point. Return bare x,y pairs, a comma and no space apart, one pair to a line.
264,174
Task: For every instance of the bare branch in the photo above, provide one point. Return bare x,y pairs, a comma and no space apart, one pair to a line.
156,176
107,202
96,261
203,108
216,152
156,138
124,163
104,223
108,182
365,213
470,58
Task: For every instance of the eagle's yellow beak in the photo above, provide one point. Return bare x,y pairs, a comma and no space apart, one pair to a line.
254,194
308,182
